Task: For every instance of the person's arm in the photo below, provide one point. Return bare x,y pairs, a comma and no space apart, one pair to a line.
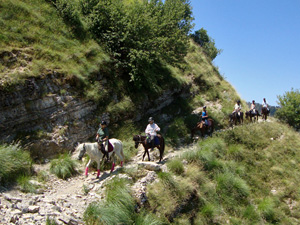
106,133
147,130
157,128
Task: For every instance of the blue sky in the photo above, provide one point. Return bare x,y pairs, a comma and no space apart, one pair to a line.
260,41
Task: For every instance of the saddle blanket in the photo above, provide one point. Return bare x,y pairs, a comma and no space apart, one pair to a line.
110,147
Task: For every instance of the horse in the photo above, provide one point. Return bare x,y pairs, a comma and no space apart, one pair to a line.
264,113
235,117
138,139
203,128
115,147
252,115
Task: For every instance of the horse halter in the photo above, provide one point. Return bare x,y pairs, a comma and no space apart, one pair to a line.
82,152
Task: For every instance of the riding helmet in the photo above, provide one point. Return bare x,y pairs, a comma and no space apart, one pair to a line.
103,122
204,107
150,119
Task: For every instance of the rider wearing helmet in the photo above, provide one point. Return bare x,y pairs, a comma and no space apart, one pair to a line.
204,116
102,138
151,131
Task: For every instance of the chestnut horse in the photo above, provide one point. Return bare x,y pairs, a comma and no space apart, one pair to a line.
138,139
203,128
235,117
251,115
264,113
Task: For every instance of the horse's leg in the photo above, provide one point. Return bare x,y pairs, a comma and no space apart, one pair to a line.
121,156
113,164
144,153
87,167
148,155
98,169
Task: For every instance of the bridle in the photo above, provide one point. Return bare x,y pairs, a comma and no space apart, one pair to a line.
82,152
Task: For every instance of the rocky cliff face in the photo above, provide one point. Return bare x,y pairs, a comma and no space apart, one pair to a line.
48,115
44,112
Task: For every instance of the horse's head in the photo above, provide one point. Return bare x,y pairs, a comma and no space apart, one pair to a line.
137,140
82,150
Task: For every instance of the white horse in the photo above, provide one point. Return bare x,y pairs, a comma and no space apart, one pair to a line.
96,155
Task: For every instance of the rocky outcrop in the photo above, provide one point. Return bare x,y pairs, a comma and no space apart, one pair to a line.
44,112
49,115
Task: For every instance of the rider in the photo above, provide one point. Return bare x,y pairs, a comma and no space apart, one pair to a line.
252,109
204,116
151,131
265,105
237,107
102,139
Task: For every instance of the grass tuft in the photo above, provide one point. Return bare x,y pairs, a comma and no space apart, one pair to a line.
64,167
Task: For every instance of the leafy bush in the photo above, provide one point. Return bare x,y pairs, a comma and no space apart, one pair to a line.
201,37
63,167
14,163
289,110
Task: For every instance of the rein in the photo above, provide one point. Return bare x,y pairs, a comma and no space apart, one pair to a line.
140,139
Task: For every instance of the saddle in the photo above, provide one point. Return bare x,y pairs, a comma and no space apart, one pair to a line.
110,147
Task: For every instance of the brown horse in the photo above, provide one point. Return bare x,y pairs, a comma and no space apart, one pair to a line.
138,139
203,128
251,115
234,118
264,113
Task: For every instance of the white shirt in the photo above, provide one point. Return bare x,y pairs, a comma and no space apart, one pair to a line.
264,104
237,107
151,129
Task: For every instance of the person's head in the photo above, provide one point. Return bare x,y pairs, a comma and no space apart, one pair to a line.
204,108
103,123
151,120
238,102
253,101
264,99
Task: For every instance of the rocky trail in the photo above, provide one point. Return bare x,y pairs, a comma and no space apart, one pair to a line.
64,201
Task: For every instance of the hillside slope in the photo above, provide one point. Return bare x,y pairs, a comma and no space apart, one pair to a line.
56,86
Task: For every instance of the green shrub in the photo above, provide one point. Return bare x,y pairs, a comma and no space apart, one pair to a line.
119,207
63,167
289,110
25,184
176,166
233,186
14,163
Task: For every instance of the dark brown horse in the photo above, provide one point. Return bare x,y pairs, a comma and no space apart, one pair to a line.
138,139
234,118
264,113
203,128
251,115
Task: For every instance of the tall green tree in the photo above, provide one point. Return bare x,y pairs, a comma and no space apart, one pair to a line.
289,110
206,42
141,35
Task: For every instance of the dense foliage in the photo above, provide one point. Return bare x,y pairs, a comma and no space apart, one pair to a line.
206,42
141,36
289,110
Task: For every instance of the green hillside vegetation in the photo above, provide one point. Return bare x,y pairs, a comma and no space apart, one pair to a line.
141,51
247,175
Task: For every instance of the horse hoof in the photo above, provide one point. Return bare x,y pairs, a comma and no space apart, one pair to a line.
97,177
